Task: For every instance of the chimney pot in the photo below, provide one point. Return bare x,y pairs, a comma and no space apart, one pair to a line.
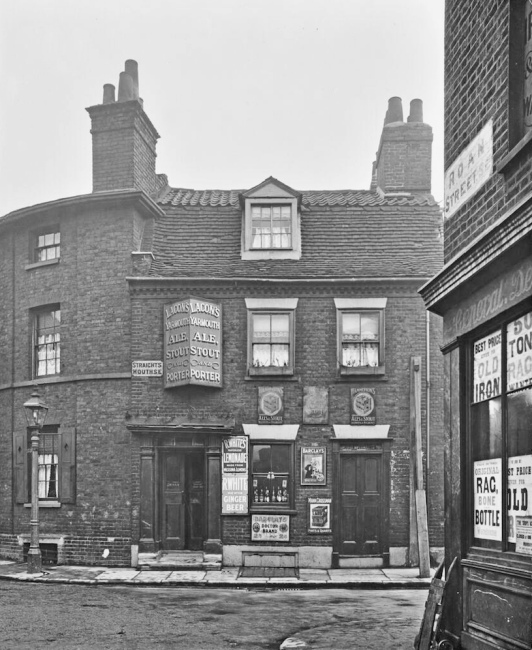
125,87
108,94
132,69
395,110
416,111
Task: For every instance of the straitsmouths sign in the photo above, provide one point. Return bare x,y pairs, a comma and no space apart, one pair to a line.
192,343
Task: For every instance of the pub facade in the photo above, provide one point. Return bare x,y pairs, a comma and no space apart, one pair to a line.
244,373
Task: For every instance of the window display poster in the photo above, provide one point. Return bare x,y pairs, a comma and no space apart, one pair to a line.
313,466
524,535
319,515
519,491
487,367
487,477
519,349
272,528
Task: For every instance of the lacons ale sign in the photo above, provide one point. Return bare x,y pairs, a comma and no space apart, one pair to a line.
192,343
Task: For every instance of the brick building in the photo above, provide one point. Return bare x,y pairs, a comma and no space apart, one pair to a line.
484,294
245,372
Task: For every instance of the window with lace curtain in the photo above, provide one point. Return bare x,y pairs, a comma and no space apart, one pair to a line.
361,336
271,336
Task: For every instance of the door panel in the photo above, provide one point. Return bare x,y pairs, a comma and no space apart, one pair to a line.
194,501
360,504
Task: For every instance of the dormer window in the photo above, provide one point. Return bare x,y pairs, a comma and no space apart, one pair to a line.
271,222
271,226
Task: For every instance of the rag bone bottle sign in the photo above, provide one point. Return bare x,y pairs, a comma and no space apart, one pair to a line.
192,343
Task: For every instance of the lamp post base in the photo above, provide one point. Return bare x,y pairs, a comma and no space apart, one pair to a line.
34,560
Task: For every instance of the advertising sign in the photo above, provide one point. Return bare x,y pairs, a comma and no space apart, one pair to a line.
272,528
487,367
192,343
363,409
519,490
319,515
519,353
315,405
524,535
271,405
468,173
235,455
234,494
487,476
313,466
147,369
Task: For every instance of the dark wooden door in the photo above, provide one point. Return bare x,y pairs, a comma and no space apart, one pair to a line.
360,516
182,500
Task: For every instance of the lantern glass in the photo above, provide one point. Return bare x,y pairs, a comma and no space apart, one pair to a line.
35,410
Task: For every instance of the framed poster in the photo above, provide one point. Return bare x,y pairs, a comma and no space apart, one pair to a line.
319,515
272,528
313,466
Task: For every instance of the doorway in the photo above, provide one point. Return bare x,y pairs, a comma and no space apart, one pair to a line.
360,504
182,500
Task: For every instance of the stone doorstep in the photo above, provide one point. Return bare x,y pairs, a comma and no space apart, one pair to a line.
179,561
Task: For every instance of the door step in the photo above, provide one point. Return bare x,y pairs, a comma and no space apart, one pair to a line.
179,561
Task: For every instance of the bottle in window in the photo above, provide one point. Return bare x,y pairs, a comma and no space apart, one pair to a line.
267,495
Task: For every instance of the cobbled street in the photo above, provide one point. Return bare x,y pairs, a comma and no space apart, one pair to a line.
69,616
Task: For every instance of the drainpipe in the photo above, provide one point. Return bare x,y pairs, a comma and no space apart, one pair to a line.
428,402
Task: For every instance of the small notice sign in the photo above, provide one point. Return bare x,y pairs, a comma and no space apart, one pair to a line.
147,369
271,405
523,543
319,515
272,528
363,410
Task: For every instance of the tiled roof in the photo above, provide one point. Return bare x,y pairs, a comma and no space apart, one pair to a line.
344,234
215,198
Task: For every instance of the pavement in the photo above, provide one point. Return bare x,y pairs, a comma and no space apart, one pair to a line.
226,577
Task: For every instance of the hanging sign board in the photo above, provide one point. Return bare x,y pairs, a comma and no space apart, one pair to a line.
363,410
192,343
487,367
272,528
487,477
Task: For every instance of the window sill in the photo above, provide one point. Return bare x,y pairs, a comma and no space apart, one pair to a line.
45,504
378,371
36,265
270,509
514,153
271,372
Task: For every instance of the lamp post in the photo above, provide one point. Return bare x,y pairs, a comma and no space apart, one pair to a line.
35,410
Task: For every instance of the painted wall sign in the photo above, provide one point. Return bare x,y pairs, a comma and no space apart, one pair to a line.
363,410
315,405
234,494
273,528
235,455
271,405
519,498
319,515
468,173
487,477
487,367
147,369
313,466
192,343
519,353
494,298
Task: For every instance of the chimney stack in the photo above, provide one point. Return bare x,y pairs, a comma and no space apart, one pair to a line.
123,138
404,157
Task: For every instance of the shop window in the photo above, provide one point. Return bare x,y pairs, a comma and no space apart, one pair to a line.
360,336
56,471
47,245
272,475
47,342
500,440
271,337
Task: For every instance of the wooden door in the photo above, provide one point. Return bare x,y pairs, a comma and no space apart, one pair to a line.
360,516
173,511
194,499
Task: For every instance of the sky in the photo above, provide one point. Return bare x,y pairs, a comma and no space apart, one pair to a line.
238,90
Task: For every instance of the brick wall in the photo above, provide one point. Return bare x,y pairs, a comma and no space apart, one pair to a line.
476,90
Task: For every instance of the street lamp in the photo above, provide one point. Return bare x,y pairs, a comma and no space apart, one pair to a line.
35,410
